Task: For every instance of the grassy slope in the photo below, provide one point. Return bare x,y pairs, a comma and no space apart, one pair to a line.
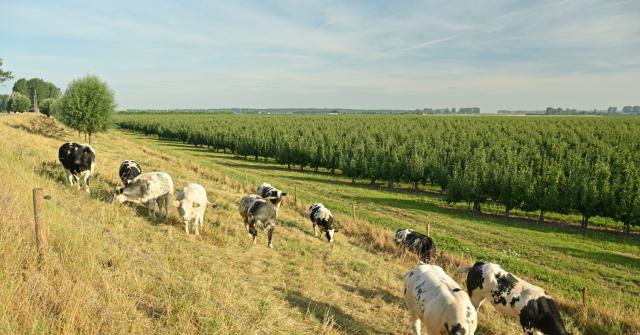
109,270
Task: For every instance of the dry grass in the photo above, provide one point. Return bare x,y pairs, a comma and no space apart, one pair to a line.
108,270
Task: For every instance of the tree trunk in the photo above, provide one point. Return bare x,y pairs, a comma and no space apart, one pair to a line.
316,169
507,212
288,166
353,180
415,185
373,181
585,221
301,167
626,228
476,207
541,217
333,170
390,183
89,138
256,157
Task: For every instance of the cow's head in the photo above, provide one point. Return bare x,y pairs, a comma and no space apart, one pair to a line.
330,232
186,208
118,196
276,197
401,235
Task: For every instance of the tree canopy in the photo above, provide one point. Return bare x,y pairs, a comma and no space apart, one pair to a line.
18,103
36,86
87,105
4,75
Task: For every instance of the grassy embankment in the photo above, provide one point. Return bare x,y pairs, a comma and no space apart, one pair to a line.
110,270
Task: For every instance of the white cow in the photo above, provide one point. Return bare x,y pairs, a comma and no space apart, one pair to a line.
152,189
436,300
191,203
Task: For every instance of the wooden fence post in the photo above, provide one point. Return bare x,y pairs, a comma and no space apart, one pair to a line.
584,296
429,229
39,220
295,195
353,212
246,180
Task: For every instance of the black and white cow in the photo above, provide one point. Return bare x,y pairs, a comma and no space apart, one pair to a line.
151,189
321,216
256,213
266,191
79,162
435,299
514,297
129,169
421,245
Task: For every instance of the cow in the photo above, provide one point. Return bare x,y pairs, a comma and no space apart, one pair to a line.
151,189
514,297
266,191
258,213
435,299
421,245
79,162
129,169
321,216
191,203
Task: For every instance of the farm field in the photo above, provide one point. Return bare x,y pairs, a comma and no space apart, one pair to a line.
110,270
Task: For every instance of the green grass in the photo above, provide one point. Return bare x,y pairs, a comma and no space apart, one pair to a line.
109,270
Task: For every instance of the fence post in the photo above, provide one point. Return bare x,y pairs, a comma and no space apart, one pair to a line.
353,212
246,180
429,229
295,195
39,220
584,296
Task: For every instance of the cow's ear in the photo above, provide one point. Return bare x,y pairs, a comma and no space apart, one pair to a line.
176,203
284,194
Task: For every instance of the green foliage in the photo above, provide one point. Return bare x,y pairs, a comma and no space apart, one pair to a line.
87,105
4,75
36,86
555,164
4,102
45,106
18,103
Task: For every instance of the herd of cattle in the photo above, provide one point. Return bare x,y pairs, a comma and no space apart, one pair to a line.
432,296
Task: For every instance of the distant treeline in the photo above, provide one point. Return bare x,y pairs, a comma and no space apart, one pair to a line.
295,111
581,165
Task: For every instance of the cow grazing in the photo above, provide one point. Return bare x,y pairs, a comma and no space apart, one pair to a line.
79,162
129,169
436,300
258,213
321,216
271,193
191,203
421,245
152,189
514,297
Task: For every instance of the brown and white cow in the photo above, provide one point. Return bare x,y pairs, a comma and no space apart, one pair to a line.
437,301
514,297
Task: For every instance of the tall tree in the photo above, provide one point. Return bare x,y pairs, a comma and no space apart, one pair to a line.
18,103
87,105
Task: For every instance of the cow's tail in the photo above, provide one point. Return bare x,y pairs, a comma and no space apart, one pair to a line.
463,269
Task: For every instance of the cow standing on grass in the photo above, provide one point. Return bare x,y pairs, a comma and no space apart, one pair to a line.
191,203
435,299
514,297
274,195
79,162
129,169
321,216
257,213
421,245
152,189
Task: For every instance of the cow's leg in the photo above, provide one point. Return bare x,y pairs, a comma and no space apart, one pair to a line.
69,176
476,298
199,223
167,201
315,230
270,234
85,175
253,232
186,226
152,206
417,324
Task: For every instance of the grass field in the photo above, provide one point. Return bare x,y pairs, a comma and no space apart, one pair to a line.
109,270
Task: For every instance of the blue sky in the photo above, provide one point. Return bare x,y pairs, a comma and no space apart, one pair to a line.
353,54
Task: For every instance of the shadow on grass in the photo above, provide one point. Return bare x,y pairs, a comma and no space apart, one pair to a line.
367,293
328,314
602,257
